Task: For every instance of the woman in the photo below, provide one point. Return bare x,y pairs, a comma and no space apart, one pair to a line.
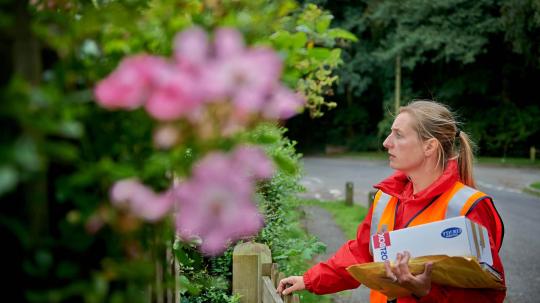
433,181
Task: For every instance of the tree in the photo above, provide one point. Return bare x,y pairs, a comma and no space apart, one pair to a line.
470,55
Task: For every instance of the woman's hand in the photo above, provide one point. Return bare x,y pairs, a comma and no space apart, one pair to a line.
419,285
290,284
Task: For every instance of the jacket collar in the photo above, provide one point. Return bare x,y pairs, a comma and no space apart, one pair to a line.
399,185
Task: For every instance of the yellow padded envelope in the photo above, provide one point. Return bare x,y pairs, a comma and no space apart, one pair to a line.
460,272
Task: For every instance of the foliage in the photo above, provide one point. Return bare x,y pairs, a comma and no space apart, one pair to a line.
291,247
509,127
470,55
313,60
62,152
521,23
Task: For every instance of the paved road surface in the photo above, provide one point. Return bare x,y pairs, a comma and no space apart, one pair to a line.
325,179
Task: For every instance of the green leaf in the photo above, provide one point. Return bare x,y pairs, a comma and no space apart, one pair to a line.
67,270
298,40
281,39
9,177
26,154
323,23
319,53
307,254
181,254
71,129
187,286
342,34
285,164
61,151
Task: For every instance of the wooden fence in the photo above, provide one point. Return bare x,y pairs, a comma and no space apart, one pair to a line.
255,277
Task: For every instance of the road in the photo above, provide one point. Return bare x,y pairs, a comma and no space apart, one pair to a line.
325,179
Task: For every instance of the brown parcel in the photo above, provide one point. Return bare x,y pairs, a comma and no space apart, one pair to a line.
452,271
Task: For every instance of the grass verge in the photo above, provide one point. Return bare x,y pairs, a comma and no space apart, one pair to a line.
346,217
510,162
533,189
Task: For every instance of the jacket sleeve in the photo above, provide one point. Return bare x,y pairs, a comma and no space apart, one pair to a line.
331,276
484,213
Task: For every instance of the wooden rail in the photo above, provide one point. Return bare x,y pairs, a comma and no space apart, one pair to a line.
255,277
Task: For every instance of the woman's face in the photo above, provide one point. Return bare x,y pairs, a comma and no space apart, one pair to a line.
405,149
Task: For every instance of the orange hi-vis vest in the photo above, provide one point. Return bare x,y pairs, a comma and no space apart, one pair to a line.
457,201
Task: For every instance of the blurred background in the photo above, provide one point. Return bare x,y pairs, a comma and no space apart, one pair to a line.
482,58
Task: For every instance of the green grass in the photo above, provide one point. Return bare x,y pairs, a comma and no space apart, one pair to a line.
514,162
347,217
533,189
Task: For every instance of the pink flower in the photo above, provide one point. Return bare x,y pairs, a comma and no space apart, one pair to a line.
191,48
247,78
253,162
122,191
283,104
202,72
166,136
154,206
213,164
128,86
228,42
174,96
216,204
140,200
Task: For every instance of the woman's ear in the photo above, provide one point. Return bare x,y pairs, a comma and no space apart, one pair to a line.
430,147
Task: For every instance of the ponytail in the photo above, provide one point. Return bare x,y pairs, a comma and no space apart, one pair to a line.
465,159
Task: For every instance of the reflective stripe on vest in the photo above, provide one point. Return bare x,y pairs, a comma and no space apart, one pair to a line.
379,205
455,202
458,205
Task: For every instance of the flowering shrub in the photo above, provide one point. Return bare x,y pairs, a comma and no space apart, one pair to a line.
201,75
241,82
100,183
219,196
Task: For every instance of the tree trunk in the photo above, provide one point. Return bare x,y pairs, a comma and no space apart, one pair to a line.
397,93
26,48
350,127
26,56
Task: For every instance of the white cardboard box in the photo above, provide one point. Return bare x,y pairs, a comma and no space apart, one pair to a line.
457,236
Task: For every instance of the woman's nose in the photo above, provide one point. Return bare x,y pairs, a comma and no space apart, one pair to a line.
386,143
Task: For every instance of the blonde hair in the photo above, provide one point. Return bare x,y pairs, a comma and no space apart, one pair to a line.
435,120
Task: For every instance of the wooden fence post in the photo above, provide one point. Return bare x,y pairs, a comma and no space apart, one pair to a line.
349,192
248,260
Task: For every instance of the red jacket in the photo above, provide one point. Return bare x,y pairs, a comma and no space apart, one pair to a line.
331,276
